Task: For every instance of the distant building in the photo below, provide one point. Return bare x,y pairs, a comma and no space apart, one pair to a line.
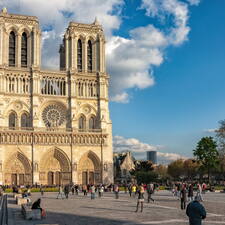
123,164
152,156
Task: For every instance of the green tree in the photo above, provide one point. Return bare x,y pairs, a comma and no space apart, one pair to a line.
190,168
207,154
176,169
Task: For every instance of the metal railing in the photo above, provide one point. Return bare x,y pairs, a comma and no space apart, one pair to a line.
3,210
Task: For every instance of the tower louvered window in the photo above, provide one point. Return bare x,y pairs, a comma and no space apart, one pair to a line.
89,56
12,49
24,50
79,55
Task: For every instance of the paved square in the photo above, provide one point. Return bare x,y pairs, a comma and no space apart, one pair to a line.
81,210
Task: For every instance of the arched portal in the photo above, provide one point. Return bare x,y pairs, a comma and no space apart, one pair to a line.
55,168
89,169
18,170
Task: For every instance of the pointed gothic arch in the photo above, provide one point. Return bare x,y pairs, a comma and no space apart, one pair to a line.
17,170
55,167
89,169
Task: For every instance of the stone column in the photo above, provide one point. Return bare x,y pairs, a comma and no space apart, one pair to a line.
67,51
18,50
84,46
1,44
34,47
75,52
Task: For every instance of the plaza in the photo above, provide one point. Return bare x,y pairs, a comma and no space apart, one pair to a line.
81,210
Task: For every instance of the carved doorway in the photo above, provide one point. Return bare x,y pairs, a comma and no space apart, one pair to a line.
17,170
14,179
55,168
58,178
21,179
89,169
50,178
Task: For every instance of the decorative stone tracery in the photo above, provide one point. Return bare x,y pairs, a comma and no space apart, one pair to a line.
54,115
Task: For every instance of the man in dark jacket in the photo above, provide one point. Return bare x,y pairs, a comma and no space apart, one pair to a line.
196,212
183,197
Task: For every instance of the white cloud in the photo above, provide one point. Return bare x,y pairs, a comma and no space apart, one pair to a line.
139,149
194,2
211,130
130,61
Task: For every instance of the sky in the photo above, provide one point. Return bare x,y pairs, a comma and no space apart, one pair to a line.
166,60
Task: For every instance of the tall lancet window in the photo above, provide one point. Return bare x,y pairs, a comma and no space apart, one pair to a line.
24,50
89,56
12,120
12,49
79,55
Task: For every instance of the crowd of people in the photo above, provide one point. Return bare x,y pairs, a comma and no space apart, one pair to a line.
182,191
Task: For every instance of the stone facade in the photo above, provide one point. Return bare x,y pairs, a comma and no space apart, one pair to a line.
123,164
55,126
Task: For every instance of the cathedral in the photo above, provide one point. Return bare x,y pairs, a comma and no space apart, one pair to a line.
55,126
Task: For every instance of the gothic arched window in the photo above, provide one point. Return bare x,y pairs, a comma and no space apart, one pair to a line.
12,49
25,120
89,56
24,50
92,122
79,55
12,120
82,122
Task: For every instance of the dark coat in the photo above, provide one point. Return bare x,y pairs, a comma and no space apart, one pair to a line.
183,194
196,212
190,191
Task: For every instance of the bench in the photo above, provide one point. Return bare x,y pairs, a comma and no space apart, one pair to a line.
30,214
21,201
17,196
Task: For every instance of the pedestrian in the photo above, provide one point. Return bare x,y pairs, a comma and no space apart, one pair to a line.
92,189
73,189
196,212
150,191
42,190
183,197
140,200
133,190
84,189
199,192
100,191
66,190
76,189
190,193
129,189
116,191
60,193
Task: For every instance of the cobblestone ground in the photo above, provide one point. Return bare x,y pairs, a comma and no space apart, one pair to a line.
80,210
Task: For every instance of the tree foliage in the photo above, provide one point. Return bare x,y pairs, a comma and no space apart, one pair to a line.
207,154
176,169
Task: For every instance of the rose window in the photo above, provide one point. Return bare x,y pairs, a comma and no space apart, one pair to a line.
54,115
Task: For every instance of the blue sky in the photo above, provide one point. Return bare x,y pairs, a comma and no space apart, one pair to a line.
166,59
188,97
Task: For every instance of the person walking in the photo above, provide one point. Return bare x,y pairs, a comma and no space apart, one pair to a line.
84,189
60,193
183,197
190,193
196,212
140,200
92,189
41,190
199,192
150,191
116,190
67,190
133,190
